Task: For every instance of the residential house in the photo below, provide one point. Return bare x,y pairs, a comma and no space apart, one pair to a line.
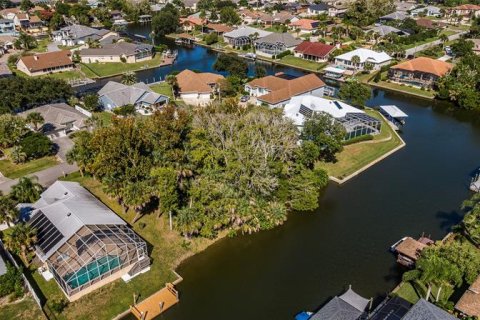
337,8
114,95
466,11
404,6
398,308
21,20
77,34
317,9
7,27
118,52
244,35
81,243
275,43
304,26
46,63
376,59
348,306
190,4
218,28
255,17
420,72
283,17
469,303
36,27
10,13
394,16
429,24
191,22
315,51
355,121
476,45
428,11
276,91
59,119
424,310
197,89
383,30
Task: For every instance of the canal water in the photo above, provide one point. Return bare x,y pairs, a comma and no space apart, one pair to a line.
316,255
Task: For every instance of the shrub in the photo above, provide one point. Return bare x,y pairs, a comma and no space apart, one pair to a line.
378,77
211,38
123,59
58,305
125,110
11,282
12,59
283,54
35,145
358,139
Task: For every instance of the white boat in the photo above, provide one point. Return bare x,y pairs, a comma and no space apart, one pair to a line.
249,55
395,245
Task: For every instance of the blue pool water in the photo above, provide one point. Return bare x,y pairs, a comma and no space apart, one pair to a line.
90,271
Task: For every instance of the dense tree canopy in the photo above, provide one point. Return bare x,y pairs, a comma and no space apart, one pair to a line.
232,64
362,13
166,21
355,93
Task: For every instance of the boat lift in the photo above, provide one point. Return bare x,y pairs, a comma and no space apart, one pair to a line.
395,116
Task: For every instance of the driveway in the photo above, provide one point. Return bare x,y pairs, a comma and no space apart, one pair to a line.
64,144
412,51
53,46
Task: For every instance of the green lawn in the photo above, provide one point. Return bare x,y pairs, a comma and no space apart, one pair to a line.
405,89
25,309
302,63
41,46
13,171
163,88
116,68
168,249
68,75
412,291
358,155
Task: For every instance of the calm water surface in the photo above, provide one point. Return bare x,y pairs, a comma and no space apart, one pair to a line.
314,256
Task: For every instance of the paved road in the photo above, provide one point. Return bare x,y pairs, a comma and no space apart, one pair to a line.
412,51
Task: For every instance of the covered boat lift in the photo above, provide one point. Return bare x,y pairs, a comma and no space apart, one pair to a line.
394,115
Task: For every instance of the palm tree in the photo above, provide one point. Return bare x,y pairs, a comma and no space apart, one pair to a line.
21,239
93,43
17,155
129,78
36,119
172,81
8,211
27,190
355,62
443,38
25,41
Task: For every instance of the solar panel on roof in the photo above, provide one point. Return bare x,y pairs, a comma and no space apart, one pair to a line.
47,234
305,111
337,104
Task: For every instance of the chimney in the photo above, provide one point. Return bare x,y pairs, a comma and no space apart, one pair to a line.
35,57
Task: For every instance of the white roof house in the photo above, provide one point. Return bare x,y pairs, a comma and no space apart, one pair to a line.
394,111
245,31
82,242
366,55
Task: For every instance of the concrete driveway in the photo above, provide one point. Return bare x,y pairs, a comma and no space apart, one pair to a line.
53,46
64,144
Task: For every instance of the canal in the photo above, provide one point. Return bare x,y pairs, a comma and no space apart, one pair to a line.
316,255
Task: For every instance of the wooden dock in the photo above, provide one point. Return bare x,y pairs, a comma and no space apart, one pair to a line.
156,304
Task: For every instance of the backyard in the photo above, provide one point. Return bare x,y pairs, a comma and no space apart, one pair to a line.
98,70
24,309
359,155
167,248
402,88
302,63
412,291
13,171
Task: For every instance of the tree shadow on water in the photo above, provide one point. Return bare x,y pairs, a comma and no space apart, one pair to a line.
449,219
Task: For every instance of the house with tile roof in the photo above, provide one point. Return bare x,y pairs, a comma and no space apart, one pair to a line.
76,34
467,11
419,72
376,59
304,25
46,63
145,100
275,43
314,51
469,303
118,52
197,89
276,91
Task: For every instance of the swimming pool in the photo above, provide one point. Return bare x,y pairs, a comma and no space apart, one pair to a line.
91,271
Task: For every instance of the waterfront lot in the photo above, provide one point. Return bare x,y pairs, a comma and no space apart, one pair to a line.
98,70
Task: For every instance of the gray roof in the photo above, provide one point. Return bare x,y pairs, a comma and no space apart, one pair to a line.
349,306
424,310
58,115
69,207
397,15
118,48
6,20
245,31
319,7
383,30
3,266
285,38
121,94
77,31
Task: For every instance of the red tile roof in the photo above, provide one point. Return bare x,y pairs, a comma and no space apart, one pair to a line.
426,65
192,82
467,7
305,24
316,49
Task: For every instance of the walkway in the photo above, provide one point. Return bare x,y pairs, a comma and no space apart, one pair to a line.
156,304
412,51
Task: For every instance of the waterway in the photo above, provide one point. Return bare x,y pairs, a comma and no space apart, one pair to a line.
316,255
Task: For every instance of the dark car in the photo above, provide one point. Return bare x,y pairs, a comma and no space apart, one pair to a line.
244,98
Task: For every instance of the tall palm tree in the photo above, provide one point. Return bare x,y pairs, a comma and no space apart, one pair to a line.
8,212
17,155
443,38
129,78
35,119
27,190
21,239
355,62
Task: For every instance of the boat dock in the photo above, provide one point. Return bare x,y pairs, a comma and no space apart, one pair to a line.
156,304
395,116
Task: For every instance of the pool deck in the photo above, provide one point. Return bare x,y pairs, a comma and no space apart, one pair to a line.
156,304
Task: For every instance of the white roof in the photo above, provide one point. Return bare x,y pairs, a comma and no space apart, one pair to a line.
69,207
335,108
394,111
334,70
3,266
245,31
366,55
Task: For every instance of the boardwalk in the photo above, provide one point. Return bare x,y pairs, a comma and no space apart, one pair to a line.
156,304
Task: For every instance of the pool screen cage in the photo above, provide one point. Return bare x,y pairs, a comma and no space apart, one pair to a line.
271,48
241,41
94,253
359,124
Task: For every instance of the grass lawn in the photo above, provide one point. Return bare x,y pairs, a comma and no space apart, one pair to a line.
412,291
25,309
104,117
41,46
163,88
405,89
13,171
167,249
358,155
115,68
302,63
68,75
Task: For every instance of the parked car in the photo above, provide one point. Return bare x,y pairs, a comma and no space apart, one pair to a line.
244,98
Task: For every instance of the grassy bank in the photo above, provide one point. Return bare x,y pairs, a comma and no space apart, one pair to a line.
301,63
359,155
403,89
25,309
13,171
166,248
100,70
412,291
163,88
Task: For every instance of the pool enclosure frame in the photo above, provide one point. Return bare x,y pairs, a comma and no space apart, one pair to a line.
360,124
86,247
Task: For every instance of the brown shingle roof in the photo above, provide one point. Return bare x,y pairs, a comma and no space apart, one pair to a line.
283,89
469,303
191,82
410,248
218,27
47,60
427,65
305,24
316,49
